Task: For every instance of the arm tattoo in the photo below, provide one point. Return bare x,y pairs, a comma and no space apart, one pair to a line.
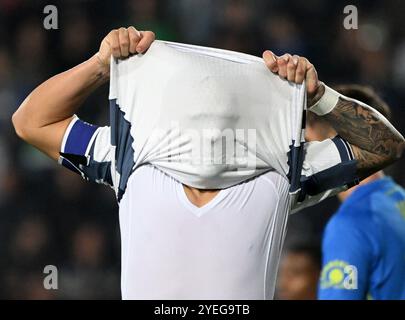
375,142
367,162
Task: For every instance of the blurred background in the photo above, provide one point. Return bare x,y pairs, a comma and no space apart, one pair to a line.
49,216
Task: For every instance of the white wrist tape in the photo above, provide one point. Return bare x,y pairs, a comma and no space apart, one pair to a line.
327,102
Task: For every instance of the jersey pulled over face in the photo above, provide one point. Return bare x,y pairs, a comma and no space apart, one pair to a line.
209,118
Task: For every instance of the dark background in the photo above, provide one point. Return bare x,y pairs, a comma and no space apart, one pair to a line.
49,216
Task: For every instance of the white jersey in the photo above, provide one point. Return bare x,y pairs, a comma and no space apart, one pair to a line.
209,118
228,249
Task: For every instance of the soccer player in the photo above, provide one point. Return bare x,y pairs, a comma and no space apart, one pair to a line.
364,242
178,241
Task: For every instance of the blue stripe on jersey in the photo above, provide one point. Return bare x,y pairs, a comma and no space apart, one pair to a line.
343,148
342,174
124,153
295,161
99,172
339,175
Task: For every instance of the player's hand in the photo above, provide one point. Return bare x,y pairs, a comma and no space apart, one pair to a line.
296,69
123,42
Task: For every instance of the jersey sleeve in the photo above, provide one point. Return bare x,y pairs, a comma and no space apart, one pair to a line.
346,257
328,167
86,150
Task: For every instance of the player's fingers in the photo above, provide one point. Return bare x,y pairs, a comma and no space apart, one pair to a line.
124,42
311,79
301,70
114,42
147,37
282,63
134,38
292,68
270,60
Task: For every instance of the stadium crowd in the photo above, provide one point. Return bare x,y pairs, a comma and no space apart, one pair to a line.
49,216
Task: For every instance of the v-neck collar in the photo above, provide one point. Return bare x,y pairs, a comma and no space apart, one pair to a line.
199,211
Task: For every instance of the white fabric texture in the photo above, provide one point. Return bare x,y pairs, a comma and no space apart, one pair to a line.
227,249
182,98
209,118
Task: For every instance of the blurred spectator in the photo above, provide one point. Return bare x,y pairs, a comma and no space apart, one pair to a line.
398,66
29,243
7,94
28,253
30,52
145,15
27,286
299,273
88,277
236,29
195,18
77,40
282,34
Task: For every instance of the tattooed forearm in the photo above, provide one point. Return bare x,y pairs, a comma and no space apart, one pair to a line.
367,162
376,143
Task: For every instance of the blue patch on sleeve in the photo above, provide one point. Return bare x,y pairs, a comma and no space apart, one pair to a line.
79,137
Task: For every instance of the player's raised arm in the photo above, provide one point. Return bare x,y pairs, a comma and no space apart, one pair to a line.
374,140
43,117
